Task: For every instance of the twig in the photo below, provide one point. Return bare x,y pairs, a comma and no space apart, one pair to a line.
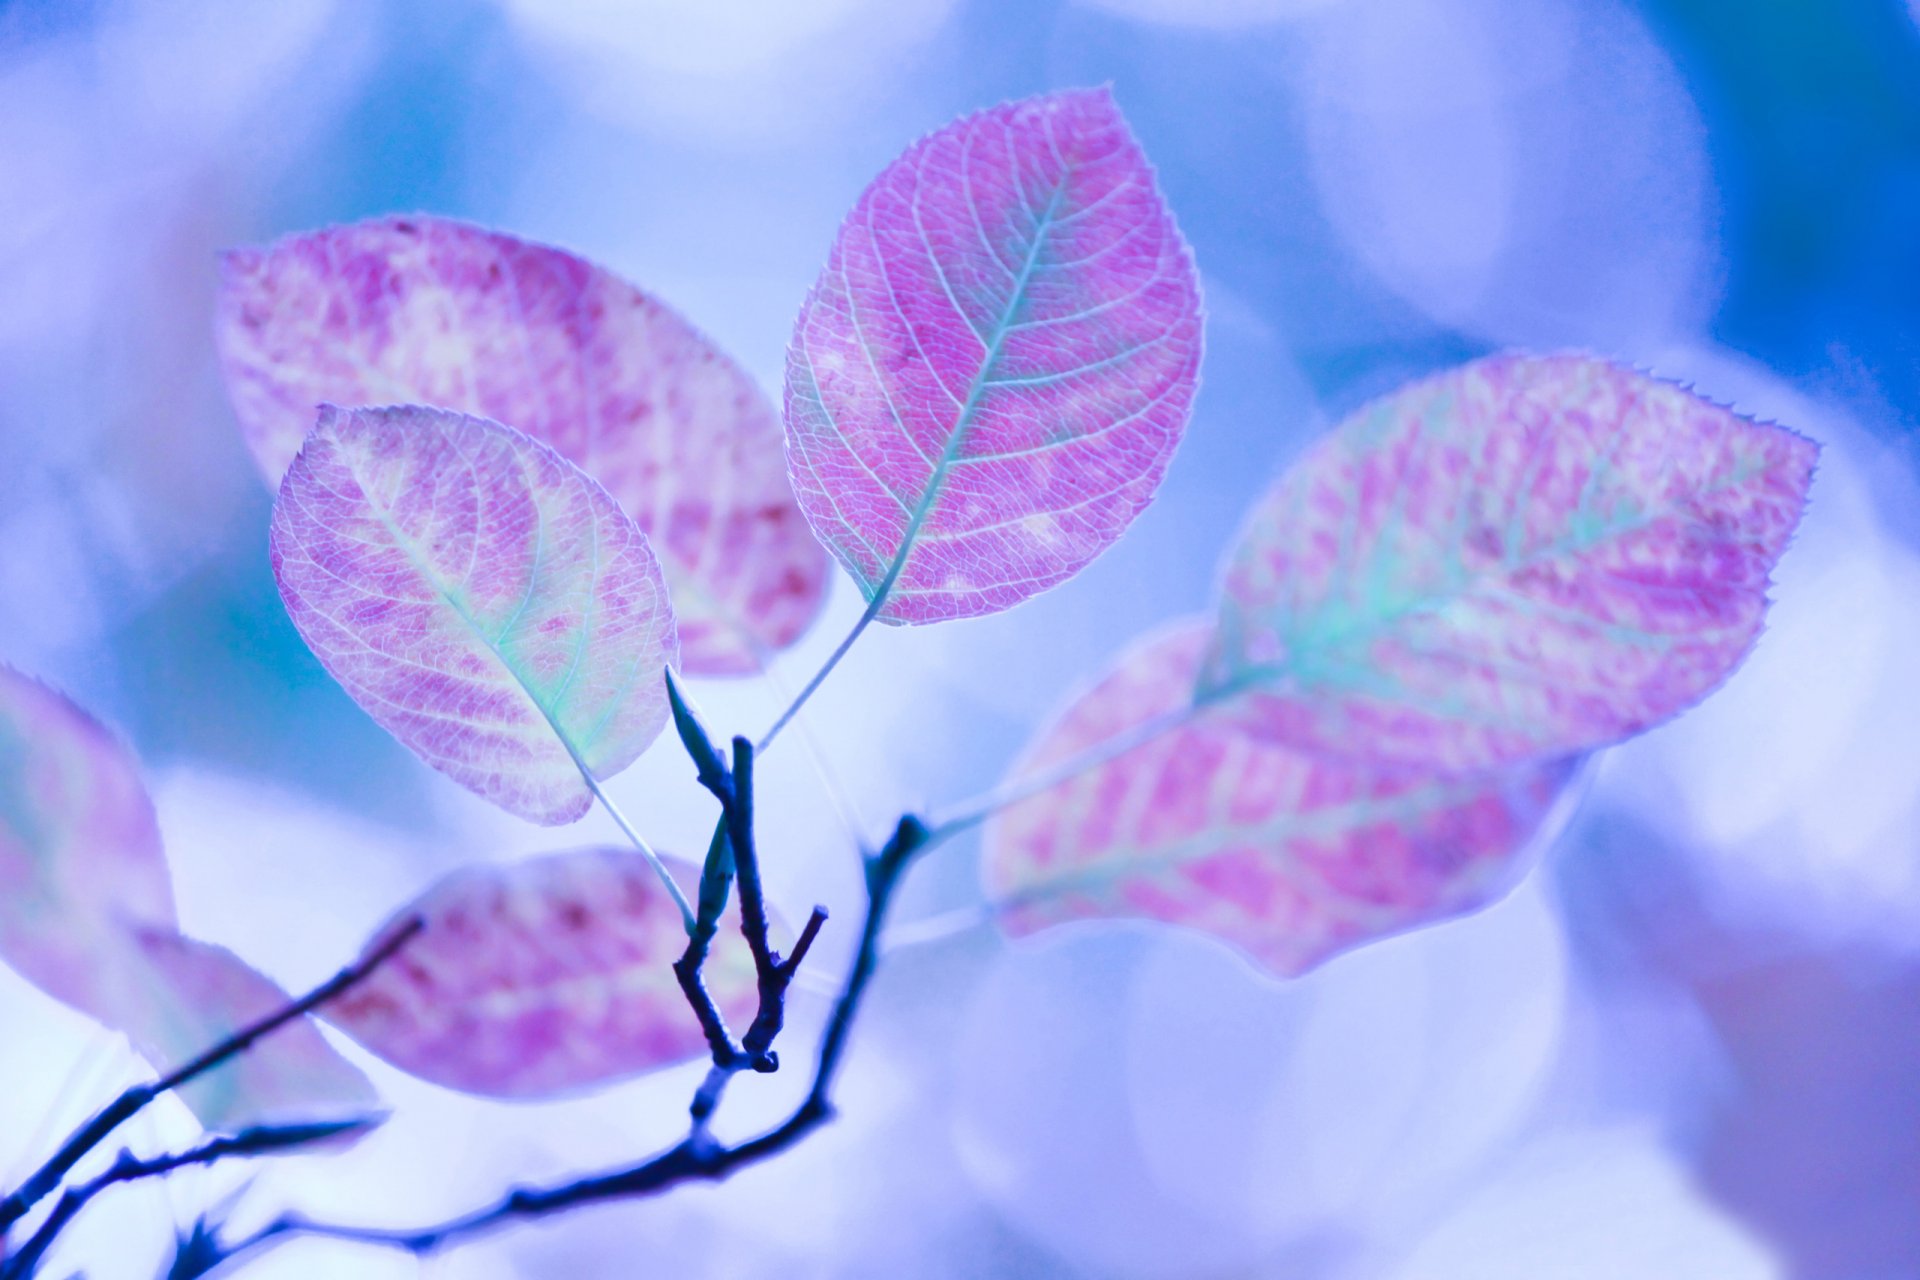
716,874
258,1141
971,813
733,853
695,1158
48,1177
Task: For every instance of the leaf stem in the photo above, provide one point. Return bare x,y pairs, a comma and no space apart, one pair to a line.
135,1099
867,616
659,868
972,813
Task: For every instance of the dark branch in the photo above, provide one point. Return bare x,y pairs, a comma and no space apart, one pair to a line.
261,1141
697,1157
48,1177
732,853
717,872
737,808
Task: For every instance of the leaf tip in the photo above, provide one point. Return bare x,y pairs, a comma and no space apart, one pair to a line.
692,729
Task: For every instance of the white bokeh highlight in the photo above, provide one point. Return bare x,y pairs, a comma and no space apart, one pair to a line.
733,71
1600,1204
1209,1117
1792,788
1211,15
1476,157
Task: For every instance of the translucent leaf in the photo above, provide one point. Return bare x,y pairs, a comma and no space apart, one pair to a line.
1288,856
481,597
80,851
86,914
988,380
432,311
542,976
190,996
1523,557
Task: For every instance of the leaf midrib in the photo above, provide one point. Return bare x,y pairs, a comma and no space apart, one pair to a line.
421,565
1250,676
969,407
1288,826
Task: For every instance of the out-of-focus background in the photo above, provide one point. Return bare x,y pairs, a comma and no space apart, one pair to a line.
1687,1047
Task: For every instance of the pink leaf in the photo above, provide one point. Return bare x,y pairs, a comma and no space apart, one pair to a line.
1524,557
191,996
988,380
538,977
433,311
481,597
80,852
1287,856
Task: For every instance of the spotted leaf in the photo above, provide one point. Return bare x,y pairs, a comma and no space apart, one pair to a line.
1288,856
1523,557
481,597
433,311
988,381
538,977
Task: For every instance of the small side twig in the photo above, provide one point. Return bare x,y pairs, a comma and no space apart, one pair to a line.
264,1140
45,1180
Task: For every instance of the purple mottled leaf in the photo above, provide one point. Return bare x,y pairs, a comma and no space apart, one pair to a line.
1523,557
190,995
481,597
426,310
988,381
1288,856
80,852
543,976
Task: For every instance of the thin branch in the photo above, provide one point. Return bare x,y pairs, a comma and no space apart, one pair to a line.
737,804
697,1157
633,836
48,1177
937,927
259,1141
845,808
973,812
871,612
732,853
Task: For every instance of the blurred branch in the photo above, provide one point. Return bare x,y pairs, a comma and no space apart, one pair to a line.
697,1157
263,1140
48,1177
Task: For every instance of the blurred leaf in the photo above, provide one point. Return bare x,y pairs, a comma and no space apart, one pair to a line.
80,851
432,311
537,977
481,597
86,913
193,995
988,381
1287,856
1523,557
